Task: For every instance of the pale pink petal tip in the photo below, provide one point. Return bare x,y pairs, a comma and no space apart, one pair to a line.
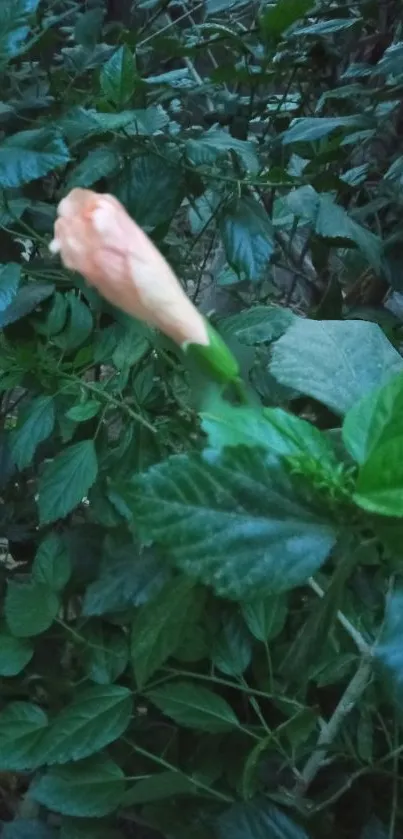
55,246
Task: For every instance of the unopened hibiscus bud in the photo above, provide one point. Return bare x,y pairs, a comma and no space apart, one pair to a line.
96,237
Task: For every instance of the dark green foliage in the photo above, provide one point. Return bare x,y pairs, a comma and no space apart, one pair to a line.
201,588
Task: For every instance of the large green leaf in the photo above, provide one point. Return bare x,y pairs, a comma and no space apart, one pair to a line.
52,564
271,428
29,155
282,14
96,717
212,144
234,521
10,274
118,76
194,707
374,420
331,221
308,129
260,820
81,123
248,237
91,787
30,608
126,579
25,301
36,425
335,362
326,27
258,324
66,480
379,487
159,626
151,190
22,728
15,654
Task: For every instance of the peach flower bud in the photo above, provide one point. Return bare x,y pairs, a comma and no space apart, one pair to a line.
95,236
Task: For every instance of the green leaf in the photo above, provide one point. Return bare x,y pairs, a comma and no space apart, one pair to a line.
52,564
15,654
258,324
57,315
232,522
326,27
14,26
79,325
81,123
273,429
265,618
392,60
331,221
27,829
84,411
10,275
29,155
232,649
25,301
96,717
88,27
260,820
194,707
335,362
282,14
11,209
84,828
389,651
37,424
157,787
214,7
22,727
98,163
107,653
151,190
93,787
379,487
30,608
309,129
374,420
159,626
131,345
213,144
66,480
248,237
126,579
118,76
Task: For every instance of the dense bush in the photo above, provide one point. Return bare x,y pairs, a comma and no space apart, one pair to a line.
202,615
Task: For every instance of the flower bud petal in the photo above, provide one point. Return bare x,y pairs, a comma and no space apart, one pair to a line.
96,237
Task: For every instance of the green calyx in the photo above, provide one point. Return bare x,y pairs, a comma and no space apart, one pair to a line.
214,358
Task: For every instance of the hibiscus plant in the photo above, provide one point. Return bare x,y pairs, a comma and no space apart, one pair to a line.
201,405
